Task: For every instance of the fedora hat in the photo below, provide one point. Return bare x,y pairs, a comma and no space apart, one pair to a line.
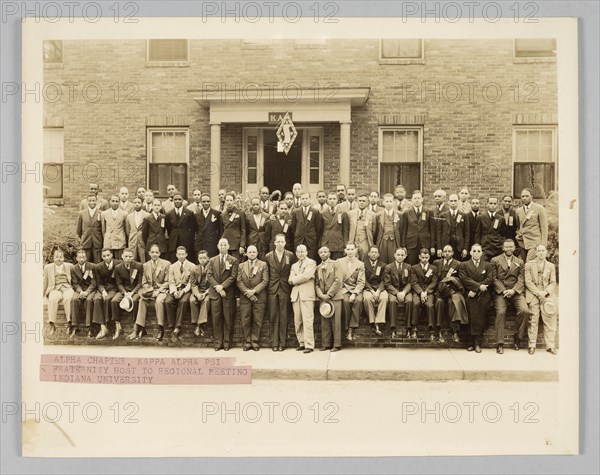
126,304
326,309
549,307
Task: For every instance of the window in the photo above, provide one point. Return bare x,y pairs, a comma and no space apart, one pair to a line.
168,50
258,43
168,159
314,159
252,154
535,48
400,157
534,154
401,51
53,52
52,170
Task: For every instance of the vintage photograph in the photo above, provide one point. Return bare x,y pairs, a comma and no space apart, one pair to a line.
390,204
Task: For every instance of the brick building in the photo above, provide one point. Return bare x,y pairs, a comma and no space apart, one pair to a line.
369,113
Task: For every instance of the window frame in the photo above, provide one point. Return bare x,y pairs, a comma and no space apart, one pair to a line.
387,128
55,199
532,59
383,60
149,163
166,62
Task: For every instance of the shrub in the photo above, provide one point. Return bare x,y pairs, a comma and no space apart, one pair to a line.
551,205
60,233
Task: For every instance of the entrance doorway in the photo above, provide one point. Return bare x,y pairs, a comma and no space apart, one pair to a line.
281,171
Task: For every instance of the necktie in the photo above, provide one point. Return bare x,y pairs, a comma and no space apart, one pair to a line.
82,269
361,215
476,263
181,268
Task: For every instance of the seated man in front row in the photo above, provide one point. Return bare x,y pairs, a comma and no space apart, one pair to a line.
423,281
352,271
397,283
449,295
375,294
179,291
199,301
84,284
328,286
107,289
128,275
57,287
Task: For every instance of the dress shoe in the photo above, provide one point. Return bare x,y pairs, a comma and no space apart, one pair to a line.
393,334
102,334
160,335
377,330
275,348
350,335
247,347
431,337
255,347
500,350
118,333
441,338
51,329
218,348
133,335
142,333
300,348
197,332
552,351
175,335
281,348
414,335
455,338
202,331
477,349
307,350
325,348
226,348
517,343
90,334
470,348
73,331
531,351
335,348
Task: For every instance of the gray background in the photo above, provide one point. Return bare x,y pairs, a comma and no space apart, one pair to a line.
10,293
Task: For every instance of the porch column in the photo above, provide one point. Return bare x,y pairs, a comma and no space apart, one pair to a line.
345,153
215,160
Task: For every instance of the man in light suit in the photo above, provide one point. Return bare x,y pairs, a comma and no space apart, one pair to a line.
148,201
128,275
362,226
374,202
454,229
155,287
57,287
352,272
396,279
101,203
321,205
533,226
107,289
375,294
540,283
255,227
181,227
124,204
113,228
252,281
265,203
509,286
199,301
179,291
463,205
196,205
387,229
490,230
307,226
303,296
280,263
153,229
417,229
84,284
234,227
328,286
133,229
336,228
89,230
423,282
222,275
209,227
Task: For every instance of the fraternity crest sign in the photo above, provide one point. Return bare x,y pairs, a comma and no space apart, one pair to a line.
286,133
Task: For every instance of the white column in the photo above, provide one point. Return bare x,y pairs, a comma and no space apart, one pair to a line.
345,153
215,161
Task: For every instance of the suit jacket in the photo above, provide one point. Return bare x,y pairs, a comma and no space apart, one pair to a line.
336,230
153,232
49,281
199,280
374,275
403,205
271,207
89,229
128,208
397,280
307,230
328,280
506,278
169,204
217,274
157,280
490,233
302,277
472,277
450,229
179,279
101,204
133,231
378,209
437,211
129,280
421,281
417,232
194,207
369,223
255,235
274,227
511,223
344,206
234,228
533,229
279,271
113,229
181,229
353,275
536,283
253,277
82,281
445,270
105,277
380,224
208,231
472,226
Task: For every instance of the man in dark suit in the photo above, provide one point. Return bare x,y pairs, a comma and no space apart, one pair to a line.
222,276
280,225
199,301
336,227
396,279
450,306
423,282
280,263
128,275
209,227
101,203
255,227
307,226
328,287
252,281
181,226
417,229
234,227
509,287
153,229
511,221
490,230
84,284
89,230
107,289
375,294
476,276
454,229
387,229
472,215
439,207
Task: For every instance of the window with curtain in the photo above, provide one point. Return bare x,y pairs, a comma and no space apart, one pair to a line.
534,154
401,49
400,158
168,50
168,159
54,155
